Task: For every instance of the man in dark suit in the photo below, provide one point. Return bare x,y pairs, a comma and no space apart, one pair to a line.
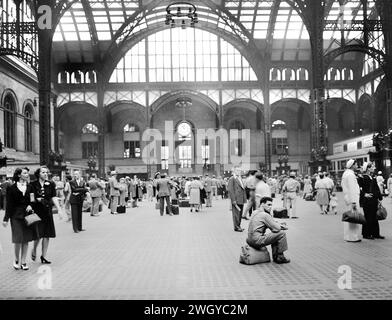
237,194
78,192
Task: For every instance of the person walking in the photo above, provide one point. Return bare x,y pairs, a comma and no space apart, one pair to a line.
78,193
370,197
45,196
96,192
351,191
291,189
194,189
67,196
163,187
208,189
237,194
322,197
307,186
114,192
18,205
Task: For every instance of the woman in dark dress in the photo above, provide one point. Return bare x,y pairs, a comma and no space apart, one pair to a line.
45,197
18,206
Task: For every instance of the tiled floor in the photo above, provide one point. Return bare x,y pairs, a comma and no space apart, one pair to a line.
141,255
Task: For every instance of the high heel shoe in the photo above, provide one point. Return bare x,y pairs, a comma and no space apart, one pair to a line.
24,266
16,265
43,260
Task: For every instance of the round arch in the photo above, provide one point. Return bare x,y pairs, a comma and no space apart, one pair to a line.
74,107
172,96
112,60
10,92
136,111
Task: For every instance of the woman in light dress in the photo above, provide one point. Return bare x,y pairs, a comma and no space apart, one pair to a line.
194,193
322,197
307,186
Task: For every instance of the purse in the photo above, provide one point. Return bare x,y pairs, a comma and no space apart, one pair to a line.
381,212
353,216
32,218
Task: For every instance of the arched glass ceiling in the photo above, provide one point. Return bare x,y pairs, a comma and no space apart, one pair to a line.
176,55
289,35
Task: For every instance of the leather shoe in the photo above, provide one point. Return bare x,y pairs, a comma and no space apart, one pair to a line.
281,259
77,231
239,230
82,230
369,238
379,237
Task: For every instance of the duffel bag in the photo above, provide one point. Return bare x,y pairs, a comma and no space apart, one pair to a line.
249,255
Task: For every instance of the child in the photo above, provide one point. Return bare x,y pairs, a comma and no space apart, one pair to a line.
333,203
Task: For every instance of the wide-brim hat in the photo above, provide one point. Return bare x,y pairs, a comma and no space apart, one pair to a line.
112,173
292,174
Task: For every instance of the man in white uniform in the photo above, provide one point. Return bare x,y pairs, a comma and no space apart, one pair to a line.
351,191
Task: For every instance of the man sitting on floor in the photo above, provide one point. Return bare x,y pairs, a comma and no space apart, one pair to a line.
260,221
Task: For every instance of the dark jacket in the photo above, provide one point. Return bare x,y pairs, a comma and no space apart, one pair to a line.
46,193
17,202
369,184
78,193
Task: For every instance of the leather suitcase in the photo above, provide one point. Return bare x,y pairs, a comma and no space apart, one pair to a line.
184,203
121,209
174,209
280,213
249,255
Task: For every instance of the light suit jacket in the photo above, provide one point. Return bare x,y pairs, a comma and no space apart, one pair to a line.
114,187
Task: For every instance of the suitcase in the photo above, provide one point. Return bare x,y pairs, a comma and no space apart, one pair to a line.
121,209
174,202
249,255
134,204
309,197
280,213
175,210
184,203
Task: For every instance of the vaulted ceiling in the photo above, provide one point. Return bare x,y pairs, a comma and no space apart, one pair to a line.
91,27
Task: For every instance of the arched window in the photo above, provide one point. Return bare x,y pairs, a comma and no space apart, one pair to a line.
9,121
131,127
28,126
279,138
89,141
131,141
184,130
90,128
237,144
302,74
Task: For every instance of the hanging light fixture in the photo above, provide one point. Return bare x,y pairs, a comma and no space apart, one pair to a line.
183,13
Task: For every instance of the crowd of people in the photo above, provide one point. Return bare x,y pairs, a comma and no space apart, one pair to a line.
251,198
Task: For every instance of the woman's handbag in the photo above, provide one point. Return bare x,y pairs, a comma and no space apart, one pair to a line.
381,212
353,216
32,218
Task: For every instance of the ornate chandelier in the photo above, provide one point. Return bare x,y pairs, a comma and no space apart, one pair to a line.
181,12
183,102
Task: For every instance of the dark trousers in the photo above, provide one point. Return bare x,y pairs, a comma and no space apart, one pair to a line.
76,211
371,228
237,215
2,202
162,204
